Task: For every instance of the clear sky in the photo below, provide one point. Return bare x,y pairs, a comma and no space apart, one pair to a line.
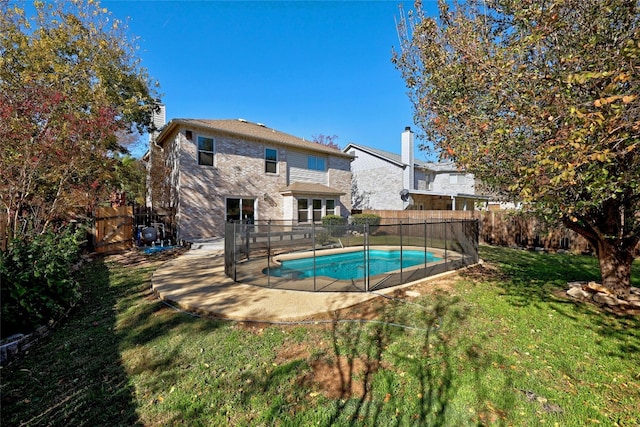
302,67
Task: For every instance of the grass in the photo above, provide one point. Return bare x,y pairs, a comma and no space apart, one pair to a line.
495,345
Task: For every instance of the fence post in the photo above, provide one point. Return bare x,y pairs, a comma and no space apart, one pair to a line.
401,249
313,243
245,231
476,240
446,240
269,254
366,255
425,248
235,260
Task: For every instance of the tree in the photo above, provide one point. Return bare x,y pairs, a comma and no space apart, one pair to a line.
329,141
69,85
540,100
129,177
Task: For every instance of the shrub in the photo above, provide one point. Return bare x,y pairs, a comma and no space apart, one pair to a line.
335,224
37,279
333,220
361,219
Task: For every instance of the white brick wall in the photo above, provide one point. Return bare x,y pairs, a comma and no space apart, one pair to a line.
442,184
378,182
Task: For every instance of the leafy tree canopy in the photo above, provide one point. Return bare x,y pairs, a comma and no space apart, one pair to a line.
540,99
69,84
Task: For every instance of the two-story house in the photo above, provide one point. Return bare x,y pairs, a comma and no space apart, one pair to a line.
388,181
212,171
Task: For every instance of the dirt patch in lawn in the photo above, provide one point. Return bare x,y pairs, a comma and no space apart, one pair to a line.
292,351
341,378
335,378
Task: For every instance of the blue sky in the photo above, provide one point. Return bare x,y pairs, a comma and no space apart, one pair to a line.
305,68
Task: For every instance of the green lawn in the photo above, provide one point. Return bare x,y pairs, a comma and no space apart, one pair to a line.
497,345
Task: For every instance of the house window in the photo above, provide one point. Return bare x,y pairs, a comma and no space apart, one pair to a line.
317,210
331,207
303,210
456,178
316,163
270,160
240,209
206,147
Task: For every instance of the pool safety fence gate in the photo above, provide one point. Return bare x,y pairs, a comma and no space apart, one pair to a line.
348,258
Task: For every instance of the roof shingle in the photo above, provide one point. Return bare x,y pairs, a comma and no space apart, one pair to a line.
246,129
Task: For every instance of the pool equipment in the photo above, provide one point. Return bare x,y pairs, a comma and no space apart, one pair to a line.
149,235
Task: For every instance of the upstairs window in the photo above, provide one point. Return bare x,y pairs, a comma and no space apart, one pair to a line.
206,147
270,160
316,163
456,178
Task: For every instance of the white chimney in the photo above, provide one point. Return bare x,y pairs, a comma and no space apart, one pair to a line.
408,159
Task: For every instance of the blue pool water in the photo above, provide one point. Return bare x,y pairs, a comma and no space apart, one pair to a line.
350,265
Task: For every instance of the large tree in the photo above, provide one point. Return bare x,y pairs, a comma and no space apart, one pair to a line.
70,83
540,100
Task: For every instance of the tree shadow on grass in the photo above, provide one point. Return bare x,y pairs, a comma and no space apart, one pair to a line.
410,374
75,376
529,278
399,369
621,331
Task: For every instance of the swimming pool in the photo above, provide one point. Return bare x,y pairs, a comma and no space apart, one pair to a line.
350,265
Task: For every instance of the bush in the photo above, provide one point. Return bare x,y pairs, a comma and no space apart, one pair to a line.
335,224
333,220
362,219
37,279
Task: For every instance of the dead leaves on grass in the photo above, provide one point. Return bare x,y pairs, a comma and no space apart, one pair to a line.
137,257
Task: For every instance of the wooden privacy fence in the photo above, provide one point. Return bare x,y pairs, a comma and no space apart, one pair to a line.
502,228
115,227
118,229
113,230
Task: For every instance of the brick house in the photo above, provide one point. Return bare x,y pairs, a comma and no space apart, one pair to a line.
212,171
388,181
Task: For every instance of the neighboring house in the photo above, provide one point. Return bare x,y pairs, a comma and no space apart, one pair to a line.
387,181
212,171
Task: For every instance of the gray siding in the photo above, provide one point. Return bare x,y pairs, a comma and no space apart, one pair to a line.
297,163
